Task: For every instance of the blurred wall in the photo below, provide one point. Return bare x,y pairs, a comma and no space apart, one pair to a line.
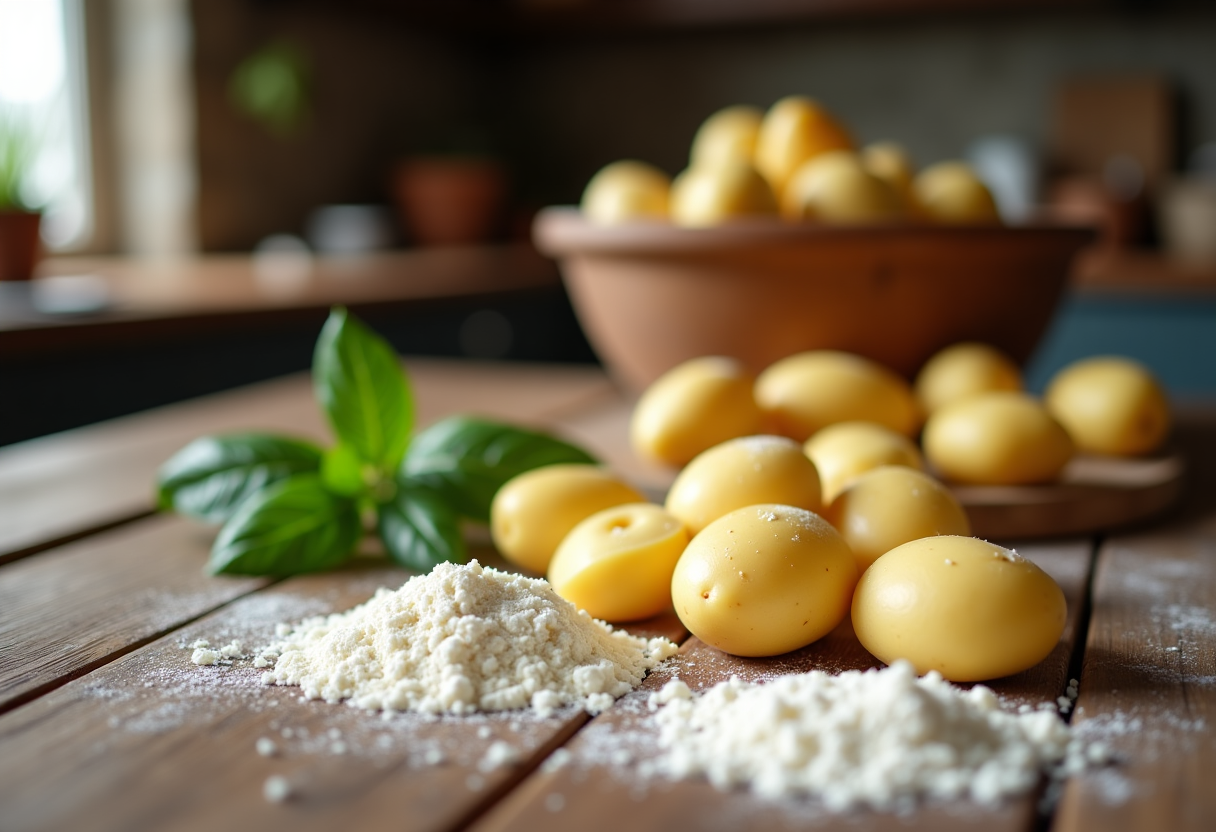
934,84
375,86
560,103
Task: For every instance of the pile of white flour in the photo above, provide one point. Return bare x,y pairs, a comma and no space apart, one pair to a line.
882,738
460,639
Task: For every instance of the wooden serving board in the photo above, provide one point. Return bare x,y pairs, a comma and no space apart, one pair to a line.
1095,494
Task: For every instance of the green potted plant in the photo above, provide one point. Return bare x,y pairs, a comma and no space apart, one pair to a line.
19,219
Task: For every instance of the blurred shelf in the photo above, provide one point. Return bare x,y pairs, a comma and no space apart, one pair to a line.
81,302
94,338
659,14
1135,271
493,18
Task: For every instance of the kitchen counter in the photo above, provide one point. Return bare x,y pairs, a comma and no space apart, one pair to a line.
106,724
92,338
86,302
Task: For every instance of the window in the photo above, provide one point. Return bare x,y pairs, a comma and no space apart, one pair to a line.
42,88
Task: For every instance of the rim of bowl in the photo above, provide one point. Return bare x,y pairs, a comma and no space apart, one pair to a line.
563,229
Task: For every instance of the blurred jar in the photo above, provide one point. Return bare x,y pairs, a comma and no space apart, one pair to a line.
1011,169
350,229
1187,207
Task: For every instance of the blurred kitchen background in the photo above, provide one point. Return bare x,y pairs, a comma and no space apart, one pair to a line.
186,147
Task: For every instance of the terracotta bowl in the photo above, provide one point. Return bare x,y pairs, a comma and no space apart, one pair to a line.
650,295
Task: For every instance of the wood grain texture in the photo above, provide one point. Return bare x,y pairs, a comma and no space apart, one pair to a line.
61,486
601,787
79,606
1148,684
151,741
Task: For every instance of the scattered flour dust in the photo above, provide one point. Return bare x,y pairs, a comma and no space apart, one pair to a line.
882,738
461,639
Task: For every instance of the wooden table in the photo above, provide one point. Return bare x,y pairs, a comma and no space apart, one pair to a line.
106,724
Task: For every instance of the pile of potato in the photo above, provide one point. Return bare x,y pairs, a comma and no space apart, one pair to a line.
818,488
795,160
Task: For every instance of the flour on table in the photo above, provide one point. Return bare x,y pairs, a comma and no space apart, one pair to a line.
882,738
204,654
276,789
461,639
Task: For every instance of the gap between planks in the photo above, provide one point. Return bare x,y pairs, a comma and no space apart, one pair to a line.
72,537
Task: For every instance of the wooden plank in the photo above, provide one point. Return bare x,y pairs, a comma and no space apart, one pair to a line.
152,742
1148,683
58,487
1148,689
599,786
77,607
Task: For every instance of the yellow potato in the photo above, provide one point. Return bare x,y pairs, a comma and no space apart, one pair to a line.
964,370
617,564
533,511
951,193
1110,405
958,605
808,391
729,135
764,580
626,190
693,407
892,505
890,163
706,196
794,130
1000,438
742,472
834,187
846,449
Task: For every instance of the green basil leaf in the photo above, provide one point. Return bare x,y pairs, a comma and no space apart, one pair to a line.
466,460
211,476
296,525
420,529
363,389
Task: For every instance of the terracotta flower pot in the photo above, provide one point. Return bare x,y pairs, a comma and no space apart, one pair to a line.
20,246
450,200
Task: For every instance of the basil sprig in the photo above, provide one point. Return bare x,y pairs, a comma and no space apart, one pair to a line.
289,506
